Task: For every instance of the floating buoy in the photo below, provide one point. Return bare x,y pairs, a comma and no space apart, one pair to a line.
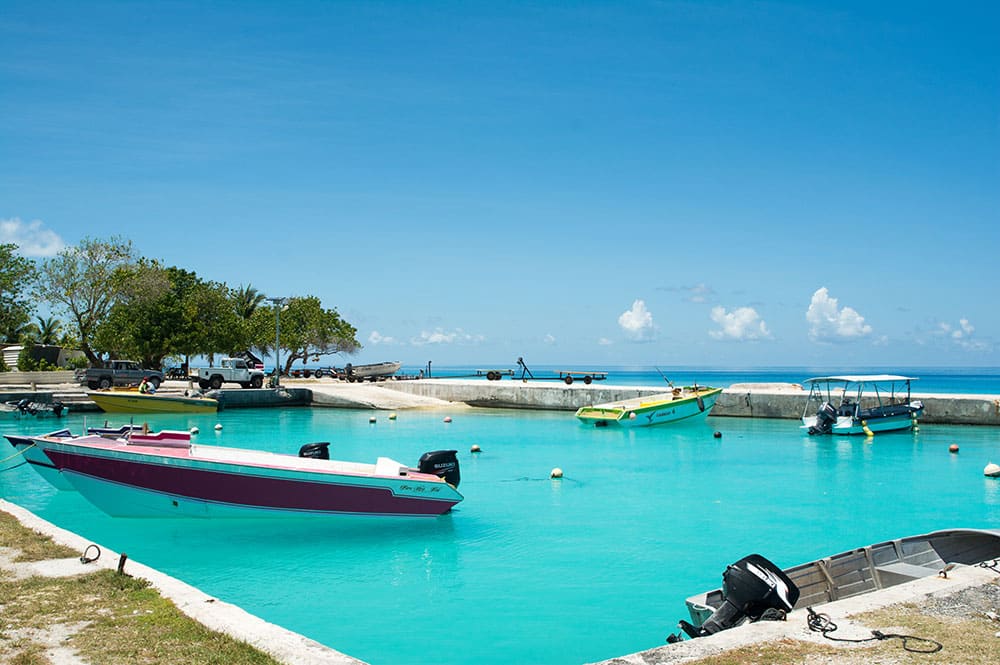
447,419
372,419
218,426
475,448
916,428
717,435
992,470
631,415
194,430
556,473
866,429
392,416
953,448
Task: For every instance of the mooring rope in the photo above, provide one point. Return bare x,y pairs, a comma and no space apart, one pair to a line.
17,454
821,623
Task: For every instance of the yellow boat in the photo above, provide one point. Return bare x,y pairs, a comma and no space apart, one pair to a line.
134,402
679,404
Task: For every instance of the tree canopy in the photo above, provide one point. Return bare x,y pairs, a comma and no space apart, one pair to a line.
85,281
310,331
17,275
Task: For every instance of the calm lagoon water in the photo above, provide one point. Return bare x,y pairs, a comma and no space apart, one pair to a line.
529,569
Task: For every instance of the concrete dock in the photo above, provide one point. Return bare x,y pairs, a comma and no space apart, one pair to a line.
743,400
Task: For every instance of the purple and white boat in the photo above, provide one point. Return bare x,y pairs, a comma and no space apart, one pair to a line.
33,455
166,475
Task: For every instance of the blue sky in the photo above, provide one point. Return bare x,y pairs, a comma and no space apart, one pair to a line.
613,183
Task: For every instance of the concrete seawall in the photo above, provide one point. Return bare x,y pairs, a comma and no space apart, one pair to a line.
739,400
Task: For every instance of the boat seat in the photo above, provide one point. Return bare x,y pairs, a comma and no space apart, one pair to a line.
892,574
385,466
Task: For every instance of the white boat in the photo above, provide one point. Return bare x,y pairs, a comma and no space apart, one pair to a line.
372,372
860,404
754,586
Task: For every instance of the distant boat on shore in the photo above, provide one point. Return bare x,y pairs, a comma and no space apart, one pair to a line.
371,372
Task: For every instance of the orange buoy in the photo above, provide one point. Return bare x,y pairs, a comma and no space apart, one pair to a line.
447,419
953,448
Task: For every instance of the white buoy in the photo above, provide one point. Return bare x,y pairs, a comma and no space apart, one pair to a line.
992,470
194,430
475,448
372,419
556,473
447,419
218,426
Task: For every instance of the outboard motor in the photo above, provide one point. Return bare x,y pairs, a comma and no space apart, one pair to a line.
319,450
825,418
750,587
57,408
442,463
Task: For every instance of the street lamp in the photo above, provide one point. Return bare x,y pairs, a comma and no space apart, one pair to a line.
279,304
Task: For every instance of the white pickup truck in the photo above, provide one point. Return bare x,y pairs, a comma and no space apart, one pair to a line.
230,370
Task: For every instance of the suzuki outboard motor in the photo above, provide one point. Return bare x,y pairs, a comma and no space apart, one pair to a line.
825,418
316,450
442,463
750,587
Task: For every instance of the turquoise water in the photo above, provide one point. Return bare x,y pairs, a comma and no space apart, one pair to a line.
529,569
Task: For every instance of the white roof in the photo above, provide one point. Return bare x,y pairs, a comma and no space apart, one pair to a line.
861,378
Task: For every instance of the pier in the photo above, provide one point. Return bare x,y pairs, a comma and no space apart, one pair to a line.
741,400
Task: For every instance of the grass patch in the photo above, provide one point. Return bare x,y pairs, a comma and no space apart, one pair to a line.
108,618
32,545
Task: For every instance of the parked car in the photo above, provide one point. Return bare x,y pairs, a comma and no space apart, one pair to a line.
118,373
230,370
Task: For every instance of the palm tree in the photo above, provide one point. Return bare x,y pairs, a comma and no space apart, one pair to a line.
49,330
246,299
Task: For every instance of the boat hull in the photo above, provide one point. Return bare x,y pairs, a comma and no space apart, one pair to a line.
38,461
655,410
174,481
847,425
129,402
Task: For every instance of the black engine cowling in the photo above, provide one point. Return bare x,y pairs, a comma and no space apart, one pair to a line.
442,463
320,450
750,587
825,418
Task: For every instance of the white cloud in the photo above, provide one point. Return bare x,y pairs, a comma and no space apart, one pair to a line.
550,339
604,341
828,321
962,335
439,336
638,322
31,238
741,323
700,293
377,338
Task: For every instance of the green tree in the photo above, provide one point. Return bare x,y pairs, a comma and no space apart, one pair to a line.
246,300
85,282
309,331
17,275
167,312
49,330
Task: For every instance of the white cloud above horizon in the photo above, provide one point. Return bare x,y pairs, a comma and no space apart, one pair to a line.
743,323
440,336
828,321
32,238
637,322
377,338
962,335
